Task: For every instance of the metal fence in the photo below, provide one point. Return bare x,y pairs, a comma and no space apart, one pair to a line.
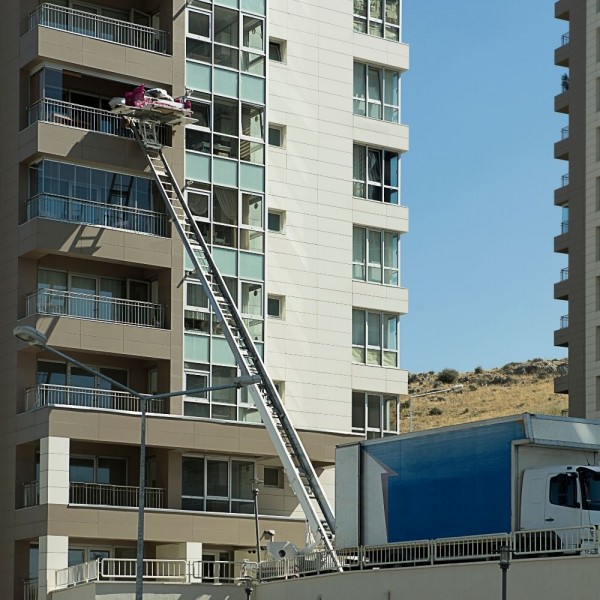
104,494
100,308
76,210
155,570
46,394
31,493
102,28
30,589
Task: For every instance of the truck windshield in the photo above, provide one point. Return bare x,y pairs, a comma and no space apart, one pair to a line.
590,488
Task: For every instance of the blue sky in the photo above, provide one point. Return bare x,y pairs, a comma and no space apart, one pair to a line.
479,181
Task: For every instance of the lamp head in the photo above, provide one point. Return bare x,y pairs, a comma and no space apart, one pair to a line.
31,335
505,552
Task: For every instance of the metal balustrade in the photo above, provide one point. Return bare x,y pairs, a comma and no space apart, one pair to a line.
99,27
564,133
104,494
99,120
31,493
30,589
564,227
564,321
46,394
568,541
564,274
76,574
565,38
76,210
564,180
99,308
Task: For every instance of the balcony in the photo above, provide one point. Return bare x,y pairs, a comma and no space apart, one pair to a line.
30,589
561,335
561,54
63,395
99,27
76,115
561,289
31,494
99,308
561,382
86,212
104,494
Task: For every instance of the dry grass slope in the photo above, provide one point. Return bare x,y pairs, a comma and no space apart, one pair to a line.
514,388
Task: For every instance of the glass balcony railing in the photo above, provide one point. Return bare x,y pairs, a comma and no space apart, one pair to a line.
564,133
99,27
564,274
47,394
564,322
76,210
564,180
565,39
100,308
564,227
104,494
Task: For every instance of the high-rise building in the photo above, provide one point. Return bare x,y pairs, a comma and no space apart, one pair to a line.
579,197
292,170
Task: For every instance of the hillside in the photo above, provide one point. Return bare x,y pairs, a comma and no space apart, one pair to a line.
511,389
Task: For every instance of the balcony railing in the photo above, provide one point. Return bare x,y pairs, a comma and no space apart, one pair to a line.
75,574
564,322
76,210
47,394
564,227
564,274
104,494
31,493
565,39
99,308
102,28
30,589
564,133
564,180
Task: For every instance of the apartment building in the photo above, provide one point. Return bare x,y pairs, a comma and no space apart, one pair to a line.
292,171
579,198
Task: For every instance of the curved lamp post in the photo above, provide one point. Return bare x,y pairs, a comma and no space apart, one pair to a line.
33,337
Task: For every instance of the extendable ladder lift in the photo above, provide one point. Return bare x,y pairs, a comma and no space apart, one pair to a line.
298,467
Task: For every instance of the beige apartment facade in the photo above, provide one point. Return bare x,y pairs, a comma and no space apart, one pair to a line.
292,170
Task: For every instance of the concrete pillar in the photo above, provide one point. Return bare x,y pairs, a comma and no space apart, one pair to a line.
54,470
53,556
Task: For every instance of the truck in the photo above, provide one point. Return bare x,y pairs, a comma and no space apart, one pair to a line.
522,473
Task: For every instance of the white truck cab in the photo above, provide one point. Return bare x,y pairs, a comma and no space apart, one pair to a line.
559,497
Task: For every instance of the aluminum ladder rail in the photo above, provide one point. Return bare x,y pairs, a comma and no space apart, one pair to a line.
298,467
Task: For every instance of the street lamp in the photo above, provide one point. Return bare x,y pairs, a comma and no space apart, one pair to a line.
505,553
33,337
255,490
454,388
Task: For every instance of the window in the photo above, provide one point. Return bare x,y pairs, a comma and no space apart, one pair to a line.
276,50
376,174
276,221
276,135
217,484
375,256
229,404
375,415
273,477
376,93
380,18
563,489
275,307
374,338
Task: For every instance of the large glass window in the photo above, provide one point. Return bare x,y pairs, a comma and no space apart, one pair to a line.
375,415
374,338
376,174
217,484
380,18
375,256
376,92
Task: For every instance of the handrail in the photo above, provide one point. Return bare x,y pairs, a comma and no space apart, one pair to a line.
564,274
564,180
99,27
564,133
46,394
565,38
564,321
49,301
76,574
105,494
77,210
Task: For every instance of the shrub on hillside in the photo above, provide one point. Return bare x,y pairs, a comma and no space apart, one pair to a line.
435,411
447,375
478,370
